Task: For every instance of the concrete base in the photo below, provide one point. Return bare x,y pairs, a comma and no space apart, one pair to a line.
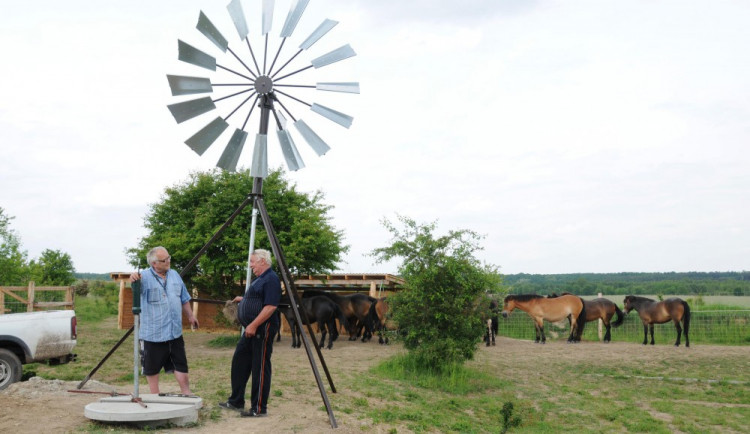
158,410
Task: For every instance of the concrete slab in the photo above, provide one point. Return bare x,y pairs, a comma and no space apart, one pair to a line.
158,410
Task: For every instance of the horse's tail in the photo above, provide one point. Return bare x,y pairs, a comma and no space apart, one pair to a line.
581,320
620,317
686,317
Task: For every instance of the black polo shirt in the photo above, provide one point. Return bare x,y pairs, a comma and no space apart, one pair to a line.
265,290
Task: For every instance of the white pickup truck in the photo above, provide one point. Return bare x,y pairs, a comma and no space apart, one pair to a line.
35,337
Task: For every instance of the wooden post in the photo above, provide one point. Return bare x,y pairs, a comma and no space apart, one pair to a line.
601,323
2,302
30,297
69,298
373,290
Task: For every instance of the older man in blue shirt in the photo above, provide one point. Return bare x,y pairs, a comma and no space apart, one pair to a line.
164,298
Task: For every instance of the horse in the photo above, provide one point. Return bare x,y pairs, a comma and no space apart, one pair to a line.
603,309
658,312
378,319
492,324
540,308
355,308
319,310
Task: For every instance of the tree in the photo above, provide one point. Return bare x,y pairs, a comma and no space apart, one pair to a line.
13,266
439,311
54,268
189,213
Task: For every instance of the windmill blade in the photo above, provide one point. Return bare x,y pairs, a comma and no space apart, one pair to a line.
231,154
318,33
334,56
295,13
259,166
319,146
291,155
340,118
192,55
238,18
183,85
210,31
183,111
352,87
267,16
204,138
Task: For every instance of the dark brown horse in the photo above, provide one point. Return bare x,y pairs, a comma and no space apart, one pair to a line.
603,309
658,312
355,307
557,309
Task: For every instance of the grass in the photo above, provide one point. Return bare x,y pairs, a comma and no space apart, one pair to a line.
516,386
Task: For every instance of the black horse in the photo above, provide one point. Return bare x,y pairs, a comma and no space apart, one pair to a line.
320,310
491,323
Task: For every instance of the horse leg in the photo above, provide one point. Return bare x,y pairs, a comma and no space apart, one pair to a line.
536,332
541,330
651,330
607,334
573,327
679,332
645,334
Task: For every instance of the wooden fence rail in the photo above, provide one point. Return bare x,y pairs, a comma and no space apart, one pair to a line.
30,291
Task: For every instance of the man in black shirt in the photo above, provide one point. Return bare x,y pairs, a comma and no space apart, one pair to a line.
253,353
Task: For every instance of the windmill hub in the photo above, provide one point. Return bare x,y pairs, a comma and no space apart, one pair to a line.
263,84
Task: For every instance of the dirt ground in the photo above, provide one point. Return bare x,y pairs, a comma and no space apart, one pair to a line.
40,405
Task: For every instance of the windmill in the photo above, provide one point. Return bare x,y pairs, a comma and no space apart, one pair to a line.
249,78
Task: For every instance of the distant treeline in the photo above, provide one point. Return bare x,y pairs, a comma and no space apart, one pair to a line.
673,283
92,276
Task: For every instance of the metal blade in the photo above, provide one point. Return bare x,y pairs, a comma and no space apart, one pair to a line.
210,31
322,29
238,17
352,87
340,118
267,16
231,154
182,85
295,13
293,159
204,138
334,56
192,55
319,146
259,166
183,111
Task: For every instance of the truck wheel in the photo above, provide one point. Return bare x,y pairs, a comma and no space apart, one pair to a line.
10,368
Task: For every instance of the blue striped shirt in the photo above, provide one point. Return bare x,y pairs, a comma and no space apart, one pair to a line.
161,306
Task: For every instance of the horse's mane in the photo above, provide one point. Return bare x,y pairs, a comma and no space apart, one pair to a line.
522,297
638,297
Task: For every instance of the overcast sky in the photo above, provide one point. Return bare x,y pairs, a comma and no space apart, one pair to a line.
578,136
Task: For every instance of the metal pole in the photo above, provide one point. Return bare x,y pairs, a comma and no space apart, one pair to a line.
136,289
251,247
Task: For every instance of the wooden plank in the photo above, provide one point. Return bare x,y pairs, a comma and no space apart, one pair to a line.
14,295
52,303
2,303
30,298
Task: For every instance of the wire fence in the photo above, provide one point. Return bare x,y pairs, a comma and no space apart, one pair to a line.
725,327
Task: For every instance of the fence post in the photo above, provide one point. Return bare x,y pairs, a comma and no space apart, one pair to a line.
30,297
69,298
2,302
600,322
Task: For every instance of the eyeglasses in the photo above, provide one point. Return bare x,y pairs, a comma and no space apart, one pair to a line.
164,261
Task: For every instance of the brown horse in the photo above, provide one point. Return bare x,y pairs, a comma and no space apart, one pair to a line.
379,320
557,309
355,307
603,309
658,312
